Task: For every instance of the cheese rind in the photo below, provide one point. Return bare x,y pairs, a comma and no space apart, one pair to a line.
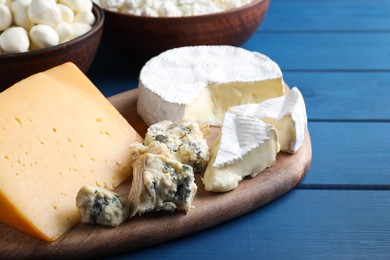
61,133
200,83
245,147
286,113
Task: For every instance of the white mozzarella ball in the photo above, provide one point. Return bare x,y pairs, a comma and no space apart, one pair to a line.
44,12
14,40
86,17
19,10
65,31
80,29
8,3
67,14
5,17
78,5
44,36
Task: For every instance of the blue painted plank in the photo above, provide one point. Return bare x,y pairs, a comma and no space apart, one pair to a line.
325,51
111,70
304,224
292,51
114,84
354,154
327,15
344,96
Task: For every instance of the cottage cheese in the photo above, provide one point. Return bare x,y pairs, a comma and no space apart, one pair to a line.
171,8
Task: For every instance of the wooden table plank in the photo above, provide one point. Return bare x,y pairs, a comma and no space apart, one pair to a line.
355,154
325,51
292,51
328,15
360,96
304,224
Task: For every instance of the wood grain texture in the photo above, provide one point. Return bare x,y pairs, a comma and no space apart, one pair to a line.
327,51
328,15
303,224
88,241
365,146
338,96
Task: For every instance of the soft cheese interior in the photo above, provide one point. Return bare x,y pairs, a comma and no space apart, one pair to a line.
246,147
200,83
286,113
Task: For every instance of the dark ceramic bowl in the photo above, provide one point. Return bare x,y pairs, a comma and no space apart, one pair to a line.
81,51
148,36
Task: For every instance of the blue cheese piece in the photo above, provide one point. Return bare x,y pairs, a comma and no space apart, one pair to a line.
101,206
161,184
184,140
137,149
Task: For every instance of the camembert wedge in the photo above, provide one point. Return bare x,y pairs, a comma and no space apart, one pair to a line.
286,113
245,147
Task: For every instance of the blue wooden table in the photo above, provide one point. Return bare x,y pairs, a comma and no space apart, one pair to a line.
338,53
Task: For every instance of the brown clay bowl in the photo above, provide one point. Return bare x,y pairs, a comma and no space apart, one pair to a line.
148,36
81,51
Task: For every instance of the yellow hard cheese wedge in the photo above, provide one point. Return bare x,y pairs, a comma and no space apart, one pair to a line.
57,134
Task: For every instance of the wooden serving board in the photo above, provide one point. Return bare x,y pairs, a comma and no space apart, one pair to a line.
87,241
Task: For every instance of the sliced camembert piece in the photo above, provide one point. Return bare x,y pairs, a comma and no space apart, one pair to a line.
246,146
57,133
161,184
200,83
286,113
101,206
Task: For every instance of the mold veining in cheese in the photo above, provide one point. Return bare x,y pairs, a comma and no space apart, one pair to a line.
245,147
101,206
200,83
184,141
286,113
57,134
161,184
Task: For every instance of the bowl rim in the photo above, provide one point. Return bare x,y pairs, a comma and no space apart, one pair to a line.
182,18
100,16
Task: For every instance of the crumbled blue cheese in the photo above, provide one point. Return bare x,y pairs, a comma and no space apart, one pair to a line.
154,147
100,206
161,184
185,142
170,8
